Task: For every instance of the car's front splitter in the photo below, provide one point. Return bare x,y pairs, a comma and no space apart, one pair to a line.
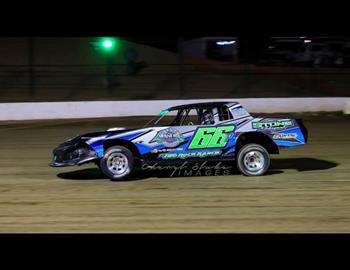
72,162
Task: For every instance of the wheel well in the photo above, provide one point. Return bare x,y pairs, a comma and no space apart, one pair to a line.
119,142
258,138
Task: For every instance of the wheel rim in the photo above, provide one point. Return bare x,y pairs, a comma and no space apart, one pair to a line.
254,161
117,163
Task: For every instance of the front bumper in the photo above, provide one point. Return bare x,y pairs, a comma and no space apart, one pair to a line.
72,154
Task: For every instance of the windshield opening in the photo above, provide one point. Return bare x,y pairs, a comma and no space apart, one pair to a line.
165,118
183,117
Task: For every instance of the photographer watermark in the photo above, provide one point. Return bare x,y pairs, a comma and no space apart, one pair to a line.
190,169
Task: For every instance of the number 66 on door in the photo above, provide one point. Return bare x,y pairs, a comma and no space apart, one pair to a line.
211,137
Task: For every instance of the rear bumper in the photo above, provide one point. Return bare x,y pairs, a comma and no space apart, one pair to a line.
303,129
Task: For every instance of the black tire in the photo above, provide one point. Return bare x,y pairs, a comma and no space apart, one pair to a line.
113,161
253,160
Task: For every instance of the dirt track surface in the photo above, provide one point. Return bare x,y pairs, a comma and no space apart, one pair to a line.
306,190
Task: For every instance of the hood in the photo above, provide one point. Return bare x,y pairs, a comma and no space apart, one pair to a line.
109,132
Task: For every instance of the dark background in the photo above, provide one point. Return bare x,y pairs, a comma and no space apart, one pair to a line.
163,67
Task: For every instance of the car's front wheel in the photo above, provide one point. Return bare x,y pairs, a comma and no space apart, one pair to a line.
117,163
253,160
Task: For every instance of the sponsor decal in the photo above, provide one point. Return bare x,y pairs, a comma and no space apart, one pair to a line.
239,112
211,137
284,136
164,150
190,154
272,124
169,137
188,169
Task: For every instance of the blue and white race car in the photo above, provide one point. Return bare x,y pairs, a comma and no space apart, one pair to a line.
222,131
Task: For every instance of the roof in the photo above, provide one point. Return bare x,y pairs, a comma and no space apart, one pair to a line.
204,104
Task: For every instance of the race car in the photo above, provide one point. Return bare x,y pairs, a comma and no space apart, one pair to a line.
210,131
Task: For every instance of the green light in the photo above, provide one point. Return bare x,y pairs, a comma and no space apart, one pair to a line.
108,44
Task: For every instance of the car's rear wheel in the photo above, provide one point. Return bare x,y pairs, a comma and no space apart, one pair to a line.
117,163
253,160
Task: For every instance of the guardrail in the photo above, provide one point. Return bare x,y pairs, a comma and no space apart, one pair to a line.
97,109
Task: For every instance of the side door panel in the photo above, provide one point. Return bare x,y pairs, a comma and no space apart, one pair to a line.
191,141
186,142
167,140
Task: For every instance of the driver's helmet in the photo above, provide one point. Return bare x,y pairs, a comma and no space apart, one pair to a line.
207,118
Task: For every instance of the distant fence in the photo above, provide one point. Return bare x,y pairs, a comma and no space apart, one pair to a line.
95,109
122,82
